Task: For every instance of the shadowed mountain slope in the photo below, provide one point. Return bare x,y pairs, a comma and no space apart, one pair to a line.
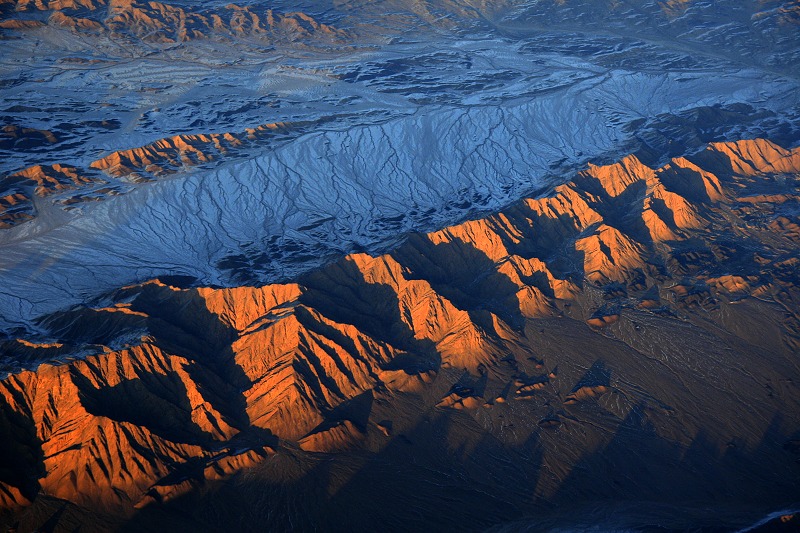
631,335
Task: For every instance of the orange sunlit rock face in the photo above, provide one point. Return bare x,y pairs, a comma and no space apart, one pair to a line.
520,327
399,265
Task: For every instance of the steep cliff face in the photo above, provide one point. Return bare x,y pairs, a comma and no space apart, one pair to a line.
643,319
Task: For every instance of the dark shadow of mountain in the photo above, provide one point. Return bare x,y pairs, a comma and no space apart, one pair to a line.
158,402
637,465
21,456
464,275
418,481
340,293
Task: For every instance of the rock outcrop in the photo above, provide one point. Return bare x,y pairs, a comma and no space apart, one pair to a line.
563,315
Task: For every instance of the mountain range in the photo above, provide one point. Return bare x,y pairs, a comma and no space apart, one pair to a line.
502,265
